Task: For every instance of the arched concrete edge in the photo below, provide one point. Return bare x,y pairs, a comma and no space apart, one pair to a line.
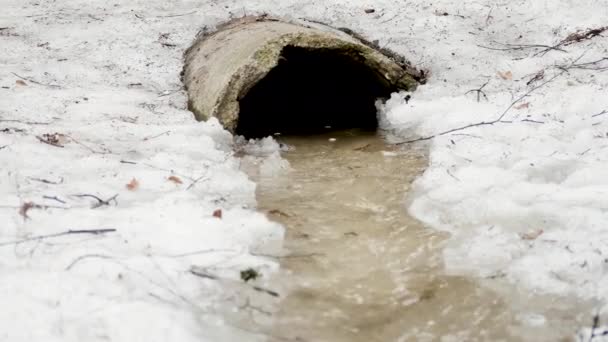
221,67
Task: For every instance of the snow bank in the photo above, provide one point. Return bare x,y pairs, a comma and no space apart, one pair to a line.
524,198
105,78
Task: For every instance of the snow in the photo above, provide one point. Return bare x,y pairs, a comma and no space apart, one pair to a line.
97,74
524,198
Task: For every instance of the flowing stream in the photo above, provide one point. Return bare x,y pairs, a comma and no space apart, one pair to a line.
359,268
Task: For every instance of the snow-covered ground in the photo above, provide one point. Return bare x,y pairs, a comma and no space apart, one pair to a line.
525,199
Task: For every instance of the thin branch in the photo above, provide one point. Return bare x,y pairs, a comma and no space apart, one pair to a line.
54,198
100,202
175,15
36,82
26,122
86,256
201,273
492,122
105,151
479,91
67,232
155,136
49,142
46,181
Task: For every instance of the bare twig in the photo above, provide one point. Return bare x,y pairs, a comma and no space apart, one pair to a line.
67,232
36,82
499,119
201,273
196,181
175,15
574,38
54,198
105,151
479,91
155,136
100,202
86,256
600,113
520,47
597,65
49,141
46,181
26,122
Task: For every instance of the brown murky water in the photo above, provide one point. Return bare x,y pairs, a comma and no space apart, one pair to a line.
358,268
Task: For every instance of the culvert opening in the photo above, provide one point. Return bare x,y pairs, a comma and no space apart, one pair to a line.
311,91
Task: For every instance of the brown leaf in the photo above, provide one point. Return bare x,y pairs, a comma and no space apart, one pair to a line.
175,180
133,185
532,235
20,83
217,213
523,105
25,208
507,75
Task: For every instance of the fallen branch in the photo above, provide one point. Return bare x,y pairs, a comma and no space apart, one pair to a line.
520,47
86,256
155,136
54,198
68,232
175,15
575,38
479,91
105,151
46,181
196,181
201,273
492,122
596,65
47,139
100,202
26,122
36,82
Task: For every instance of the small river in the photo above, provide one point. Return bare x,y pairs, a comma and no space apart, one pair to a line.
358,268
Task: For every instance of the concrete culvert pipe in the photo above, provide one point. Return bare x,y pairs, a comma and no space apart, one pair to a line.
261,76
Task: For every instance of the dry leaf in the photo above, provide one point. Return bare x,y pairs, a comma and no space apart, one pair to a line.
133,185
25,208
175,180
507,75
20,82
531,235
523,105
217,213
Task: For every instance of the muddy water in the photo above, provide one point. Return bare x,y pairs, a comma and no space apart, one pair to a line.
358,268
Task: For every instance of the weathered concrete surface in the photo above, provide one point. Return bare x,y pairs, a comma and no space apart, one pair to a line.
220,68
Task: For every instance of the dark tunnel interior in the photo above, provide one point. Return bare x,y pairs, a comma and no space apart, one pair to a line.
312,91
